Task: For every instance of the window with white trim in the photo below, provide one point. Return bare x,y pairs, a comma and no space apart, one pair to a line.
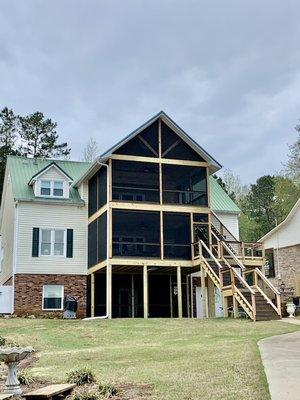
53,242
53,297
52,188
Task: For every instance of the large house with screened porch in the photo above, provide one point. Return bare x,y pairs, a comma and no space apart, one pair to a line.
144,231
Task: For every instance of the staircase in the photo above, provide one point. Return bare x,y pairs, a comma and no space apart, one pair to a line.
239,298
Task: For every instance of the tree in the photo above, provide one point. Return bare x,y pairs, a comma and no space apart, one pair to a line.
258,205
286,195
39,137
8,139
90,152
292,167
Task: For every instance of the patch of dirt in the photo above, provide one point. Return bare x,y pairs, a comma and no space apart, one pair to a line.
127,391
28,361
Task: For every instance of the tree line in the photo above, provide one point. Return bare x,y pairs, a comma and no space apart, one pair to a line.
268,201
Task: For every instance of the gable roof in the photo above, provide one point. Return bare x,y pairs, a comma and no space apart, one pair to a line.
220,200
283,223
22,170
214,165
46,168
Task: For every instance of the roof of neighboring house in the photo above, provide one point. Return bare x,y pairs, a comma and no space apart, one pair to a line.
23,169
284,222
220,200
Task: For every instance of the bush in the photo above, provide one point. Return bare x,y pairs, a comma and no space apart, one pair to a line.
107,390
25,377
85,395
2,341
81,376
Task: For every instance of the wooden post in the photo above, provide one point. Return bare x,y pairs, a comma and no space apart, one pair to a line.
145,286
171,298
179,292
203,292
235,307
132,296
92,295
211,298
188,296
109,291
225,306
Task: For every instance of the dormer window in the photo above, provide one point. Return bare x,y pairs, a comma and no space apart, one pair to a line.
52,188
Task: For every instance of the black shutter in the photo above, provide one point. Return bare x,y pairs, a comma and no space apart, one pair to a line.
35,242
69,243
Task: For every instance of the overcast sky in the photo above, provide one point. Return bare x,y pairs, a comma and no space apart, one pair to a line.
226,71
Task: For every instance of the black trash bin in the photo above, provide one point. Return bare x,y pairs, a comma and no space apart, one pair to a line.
70,307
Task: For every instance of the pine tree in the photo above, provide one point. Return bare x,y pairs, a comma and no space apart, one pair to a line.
293,164
39,137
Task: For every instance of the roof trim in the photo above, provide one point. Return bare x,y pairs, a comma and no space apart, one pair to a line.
180,132
285,221
52,164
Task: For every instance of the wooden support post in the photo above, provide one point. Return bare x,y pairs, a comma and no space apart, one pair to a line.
109,291
145,286
187,291
132,296
235,307
203,293
179,292
171,297
225,307
92,295
211,298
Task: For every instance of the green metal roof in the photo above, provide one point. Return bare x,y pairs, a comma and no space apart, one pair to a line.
22,169
220,200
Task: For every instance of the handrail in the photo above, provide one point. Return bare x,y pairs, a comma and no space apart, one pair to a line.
266,280
240,278
211,254
246,302
211,270
230,252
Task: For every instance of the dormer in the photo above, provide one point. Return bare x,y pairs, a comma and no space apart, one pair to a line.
51,182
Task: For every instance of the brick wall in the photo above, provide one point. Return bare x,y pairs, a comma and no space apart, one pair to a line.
29,293
289,269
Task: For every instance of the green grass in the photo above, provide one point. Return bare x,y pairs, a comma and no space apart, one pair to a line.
183,359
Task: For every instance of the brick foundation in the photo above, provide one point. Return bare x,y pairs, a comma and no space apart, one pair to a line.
29,293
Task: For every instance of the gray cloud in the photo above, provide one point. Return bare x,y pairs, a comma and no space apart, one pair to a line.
227,72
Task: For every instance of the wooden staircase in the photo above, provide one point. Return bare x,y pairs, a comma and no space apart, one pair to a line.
239,298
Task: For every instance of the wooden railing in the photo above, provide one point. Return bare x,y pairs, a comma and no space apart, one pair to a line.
241,250
259,282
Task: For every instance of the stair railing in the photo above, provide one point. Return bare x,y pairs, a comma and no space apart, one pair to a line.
258,276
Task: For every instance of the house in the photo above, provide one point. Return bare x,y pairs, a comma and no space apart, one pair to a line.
282,247
43,235
125,234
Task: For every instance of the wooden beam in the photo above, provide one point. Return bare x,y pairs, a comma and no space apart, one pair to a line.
188,296
159,160
92,295
109,291
171,297
179,292
132,296
235,307
211,298
145,291
203,293
161,235
158,207
97,213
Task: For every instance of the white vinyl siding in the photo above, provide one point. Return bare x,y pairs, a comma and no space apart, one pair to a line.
46,216
52,175
7,232
231,221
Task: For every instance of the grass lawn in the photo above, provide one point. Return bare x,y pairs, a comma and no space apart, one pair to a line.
183,359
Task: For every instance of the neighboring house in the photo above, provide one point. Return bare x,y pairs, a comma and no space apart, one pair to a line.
282,246
123,234
43,234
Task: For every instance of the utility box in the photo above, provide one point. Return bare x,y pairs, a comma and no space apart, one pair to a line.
70,307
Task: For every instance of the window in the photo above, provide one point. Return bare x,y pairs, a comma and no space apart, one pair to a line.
45,188
53,297
270,264
52,188
53,242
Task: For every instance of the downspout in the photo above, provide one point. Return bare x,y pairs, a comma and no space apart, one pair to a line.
15,250
107,239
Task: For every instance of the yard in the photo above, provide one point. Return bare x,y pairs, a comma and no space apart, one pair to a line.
183,359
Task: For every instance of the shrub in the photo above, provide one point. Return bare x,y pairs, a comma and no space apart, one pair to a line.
2,341
107,390
85,395
81,376
25,377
